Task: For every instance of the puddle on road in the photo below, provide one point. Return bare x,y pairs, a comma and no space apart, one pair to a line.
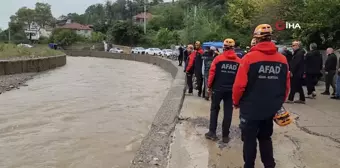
91,113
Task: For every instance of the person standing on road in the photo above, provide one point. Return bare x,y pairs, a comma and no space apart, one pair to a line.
337,93
261,86
330,70
313,67
190,70
287,53
222,74
297,70
207,57
239,52
180,56
198,67
186,55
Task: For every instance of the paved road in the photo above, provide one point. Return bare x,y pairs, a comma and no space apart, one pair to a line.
294,145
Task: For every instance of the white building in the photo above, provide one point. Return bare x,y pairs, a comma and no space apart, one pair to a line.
34,31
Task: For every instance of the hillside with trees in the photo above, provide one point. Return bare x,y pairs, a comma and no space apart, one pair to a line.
185,21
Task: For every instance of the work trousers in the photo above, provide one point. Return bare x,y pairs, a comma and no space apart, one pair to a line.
296,87
311,81
261,130
330,81
180,60
189,82
337,86
205,85
199,80
216,99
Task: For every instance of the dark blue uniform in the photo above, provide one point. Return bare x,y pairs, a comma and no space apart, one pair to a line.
221,79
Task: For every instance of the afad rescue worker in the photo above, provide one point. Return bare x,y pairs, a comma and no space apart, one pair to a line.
261,87
189,71
239,52
207,57
220,83
195,65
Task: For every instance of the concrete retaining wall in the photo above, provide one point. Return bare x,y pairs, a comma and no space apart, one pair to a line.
156,144
8,67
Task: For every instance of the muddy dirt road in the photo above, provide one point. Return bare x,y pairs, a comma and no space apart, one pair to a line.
91,113
293,146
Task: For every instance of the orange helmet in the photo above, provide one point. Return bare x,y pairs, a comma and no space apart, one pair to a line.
282,117
229,42
263,30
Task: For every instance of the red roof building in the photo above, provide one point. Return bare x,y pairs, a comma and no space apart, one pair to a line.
139,18
84,30
75,26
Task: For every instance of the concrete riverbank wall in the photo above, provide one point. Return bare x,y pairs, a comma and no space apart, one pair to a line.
8,67
154,149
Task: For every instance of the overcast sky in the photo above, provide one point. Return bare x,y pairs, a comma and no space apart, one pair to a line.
59,7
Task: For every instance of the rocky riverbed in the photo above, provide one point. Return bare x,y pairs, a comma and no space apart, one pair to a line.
9,82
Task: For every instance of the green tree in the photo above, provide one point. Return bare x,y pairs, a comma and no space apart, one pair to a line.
97,37
43,14
123,33
64,37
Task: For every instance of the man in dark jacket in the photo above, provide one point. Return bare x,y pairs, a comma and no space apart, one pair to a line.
296,72
313,67
330,70
260,88
337,94
198,67
239,52
185,55
208,57
222,75
287,53
180,56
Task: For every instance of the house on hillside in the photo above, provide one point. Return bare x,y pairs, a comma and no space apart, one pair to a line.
139,18
83,30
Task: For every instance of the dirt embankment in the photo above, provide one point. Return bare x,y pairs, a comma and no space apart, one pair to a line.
9,82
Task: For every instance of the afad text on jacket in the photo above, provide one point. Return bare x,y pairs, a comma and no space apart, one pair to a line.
191,61
223,70
262,83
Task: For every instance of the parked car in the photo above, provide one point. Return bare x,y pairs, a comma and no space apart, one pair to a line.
153,51
138,50
24,45
116,50
167,52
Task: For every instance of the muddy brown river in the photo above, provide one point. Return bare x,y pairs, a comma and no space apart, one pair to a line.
91,113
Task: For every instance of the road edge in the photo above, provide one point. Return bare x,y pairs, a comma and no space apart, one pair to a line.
155,148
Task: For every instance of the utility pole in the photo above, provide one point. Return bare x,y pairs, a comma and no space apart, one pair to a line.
144,16
194,32
9,33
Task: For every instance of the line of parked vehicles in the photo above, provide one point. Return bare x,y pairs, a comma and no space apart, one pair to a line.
168,53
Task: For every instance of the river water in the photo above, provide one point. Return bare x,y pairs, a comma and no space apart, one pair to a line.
91,113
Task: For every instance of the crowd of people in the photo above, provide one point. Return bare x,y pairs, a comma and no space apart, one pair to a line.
308,68
257,83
